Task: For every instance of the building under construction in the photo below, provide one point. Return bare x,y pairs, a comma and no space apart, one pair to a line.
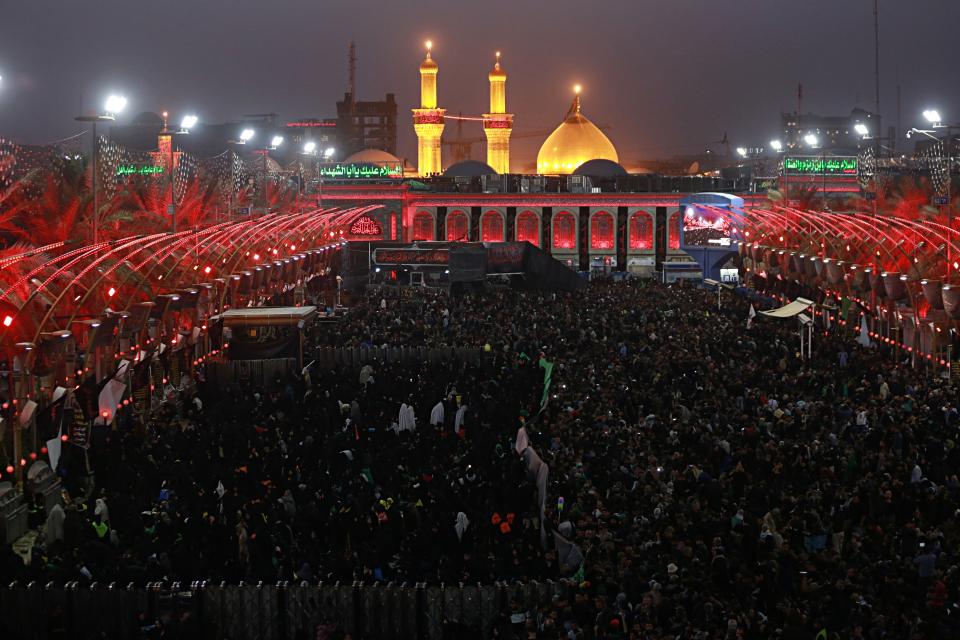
363,124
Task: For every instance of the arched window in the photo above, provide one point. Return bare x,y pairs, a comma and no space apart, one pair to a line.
564,231
457,227
422,226
641,231
491,227
528,228
673,231
601,231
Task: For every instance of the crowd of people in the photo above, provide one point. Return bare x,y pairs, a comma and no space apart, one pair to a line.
712,483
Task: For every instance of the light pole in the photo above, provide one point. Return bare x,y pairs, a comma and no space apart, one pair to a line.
275,142
936,123
113,106
245,136
185,125
309,150
814,143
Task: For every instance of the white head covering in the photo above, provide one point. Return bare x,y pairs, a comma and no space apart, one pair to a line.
461,525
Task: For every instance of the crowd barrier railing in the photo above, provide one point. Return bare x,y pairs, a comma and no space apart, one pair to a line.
282,611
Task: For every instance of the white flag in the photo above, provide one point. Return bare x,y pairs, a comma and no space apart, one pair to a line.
864,338
751,315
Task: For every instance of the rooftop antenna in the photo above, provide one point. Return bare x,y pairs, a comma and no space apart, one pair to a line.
876,67
799,111
351,82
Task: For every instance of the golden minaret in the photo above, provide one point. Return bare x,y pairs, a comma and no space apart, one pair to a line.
498,124
428,120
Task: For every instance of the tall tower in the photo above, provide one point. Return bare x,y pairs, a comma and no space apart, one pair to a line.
428,119
498,124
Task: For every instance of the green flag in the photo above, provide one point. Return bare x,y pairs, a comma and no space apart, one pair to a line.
547,379
844,307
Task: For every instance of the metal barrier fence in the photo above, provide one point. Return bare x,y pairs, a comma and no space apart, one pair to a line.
264,612
359,356
221,371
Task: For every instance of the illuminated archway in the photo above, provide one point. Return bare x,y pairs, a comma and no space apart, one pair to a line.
673,231
491,226
602,231
423,226
458,226
528,228
564,231
640,231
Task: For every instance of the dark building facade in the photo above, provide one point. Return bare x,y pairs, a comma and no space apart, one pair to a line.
834,133
367,124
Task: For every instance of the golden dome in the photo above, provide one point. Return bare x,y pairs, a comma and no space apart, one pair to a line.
574,142
428,65
497,73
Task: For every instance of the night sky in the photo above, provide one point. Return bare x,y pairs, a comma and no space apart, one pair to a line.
669,76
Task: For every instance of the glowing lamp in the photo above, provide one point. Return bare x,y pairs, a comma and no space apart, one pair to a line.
105,414
188,122
33,455
111,291
43,450
64,438
7,320
115,104
23,462
206,269
9,468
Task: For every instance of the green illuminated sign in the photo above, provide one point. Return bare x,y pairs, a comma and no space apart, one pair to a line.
820,166
361,171
137,170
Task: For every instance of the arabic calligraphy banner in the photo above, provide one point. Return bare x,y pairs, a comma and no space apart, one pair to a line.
820,166
138,170
434,257
366,226
361,171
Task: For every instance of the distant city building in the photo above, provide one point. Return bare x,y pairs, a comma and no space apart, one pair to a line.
363,124
323,132
204,139
833,133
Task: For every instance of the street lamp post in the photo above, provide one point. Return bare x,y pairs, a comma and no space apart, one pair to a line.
185,125
936,122
113,106
245,136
